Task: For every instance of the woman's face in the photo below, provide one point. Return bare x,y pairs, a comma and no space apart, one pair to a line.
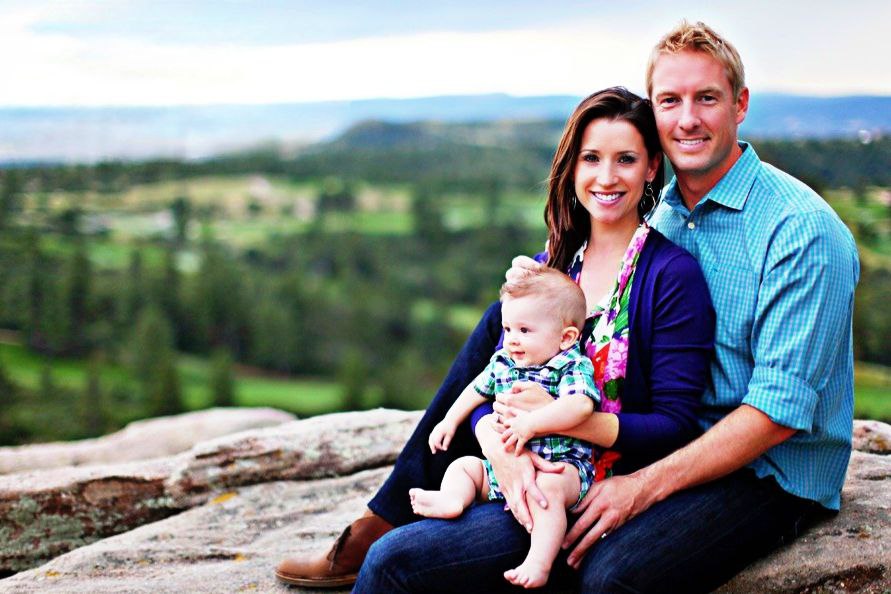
611,170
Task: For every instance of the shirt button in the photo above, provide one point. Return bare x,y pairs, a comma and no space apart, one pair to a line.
691,225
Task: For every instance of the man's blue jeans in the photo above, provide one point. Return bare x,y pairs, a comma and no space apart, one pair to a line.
693,541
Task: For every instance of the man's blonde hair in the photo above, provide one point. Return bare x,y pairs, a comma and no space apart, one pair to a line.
560,296
699,37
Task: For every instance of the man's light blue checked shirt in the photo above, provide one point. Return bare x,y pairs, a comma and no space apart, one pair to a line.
781,268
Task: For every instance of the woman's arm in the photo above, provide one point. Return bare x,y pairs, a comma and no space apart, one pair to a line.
557,417
681,347
598,428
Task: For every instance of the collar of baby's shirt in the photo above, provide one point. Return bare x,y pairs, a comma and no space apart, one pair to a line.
555,363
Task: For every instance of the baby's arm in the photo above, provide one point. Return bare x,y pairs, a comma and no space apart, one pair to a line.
560,415
578,396
443,432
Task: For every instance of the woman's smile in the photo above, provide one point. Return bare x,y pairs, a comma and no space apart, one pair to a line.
607,197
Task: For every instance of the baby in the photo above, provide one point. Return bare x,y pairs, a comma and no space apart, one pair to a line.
542,315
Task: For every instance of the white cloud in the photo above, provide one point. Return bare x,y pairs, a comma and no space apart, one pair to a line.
53,69
596,51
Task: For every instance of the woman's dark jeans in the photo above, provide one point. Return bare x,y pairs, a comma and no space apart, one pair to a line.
416,466
693,541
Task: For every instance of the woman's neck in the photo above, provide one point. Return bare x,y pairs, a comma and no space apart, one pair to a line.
606,240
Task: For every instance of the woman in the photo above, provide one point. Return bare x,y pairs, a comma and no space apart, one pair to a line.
649,335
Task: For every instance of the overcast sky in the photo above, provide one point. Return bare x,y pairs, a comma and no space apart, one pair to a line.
158,52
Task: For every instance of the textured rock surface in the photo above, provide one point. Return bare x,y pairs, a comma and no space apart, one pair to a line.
872,436
231,541
46,513
849,553
141,440
230,544
49,512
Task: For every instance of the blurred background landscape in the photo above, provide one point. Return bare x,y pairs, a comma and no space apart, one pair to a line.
327,253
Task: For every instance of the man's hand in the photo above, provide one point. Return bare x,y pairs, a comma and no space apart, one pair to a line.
516,475
441,436
733,442
608,504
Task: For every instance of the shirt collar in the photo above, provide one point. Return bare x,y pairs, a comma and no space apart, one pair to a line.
556,363
732,190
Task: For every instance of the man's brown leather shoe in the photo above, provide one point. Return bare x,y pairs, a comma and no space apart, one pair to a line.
340,566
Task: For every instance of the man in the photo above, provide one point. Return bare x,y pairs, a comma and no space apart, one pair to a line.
781,268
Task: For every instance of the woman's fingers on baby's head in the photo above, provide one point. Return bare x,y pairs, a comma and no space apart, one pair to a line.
524,262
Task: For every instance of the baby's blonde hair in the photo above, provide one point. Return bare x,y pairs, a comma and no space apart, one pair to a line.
559,294
699,37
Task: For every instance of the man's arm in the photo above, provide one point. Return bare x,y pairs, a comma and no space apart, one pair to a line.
807,292
736,440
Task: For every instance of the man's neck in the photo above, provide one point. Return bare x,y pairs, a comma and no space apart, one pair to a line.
694,185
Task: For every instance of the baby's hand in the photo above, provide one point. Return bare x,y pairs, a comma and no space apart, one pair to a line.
519,431
441,436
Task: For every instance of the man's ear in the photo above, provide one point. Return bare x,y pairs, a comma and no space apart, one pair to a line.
742,105
569,336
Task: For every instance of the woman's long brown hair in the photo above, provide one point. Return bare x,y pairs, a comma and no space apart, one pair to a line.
569,224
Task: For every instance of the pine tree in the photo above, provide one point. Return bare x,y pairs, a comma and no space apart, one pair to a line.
222,380
92,402
77,288
166,396
353,374
10,196
7,388
181,210
8,397
154,362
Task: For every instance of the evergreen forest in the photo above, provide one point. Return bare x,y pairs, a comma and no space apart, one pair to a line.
338,276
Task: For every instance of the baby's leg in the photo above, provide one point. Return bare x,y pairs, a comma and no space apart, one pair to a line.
548,527
464,481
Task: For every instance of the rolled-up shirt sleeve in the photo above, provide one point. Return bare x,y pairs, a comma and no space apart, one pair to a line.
800,322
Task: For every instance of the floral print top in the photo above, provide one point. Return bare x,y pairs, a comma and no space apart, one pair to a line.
605,338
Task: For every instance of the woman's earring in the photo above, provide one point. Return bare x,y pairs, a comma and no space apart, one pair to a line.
574,202
647,201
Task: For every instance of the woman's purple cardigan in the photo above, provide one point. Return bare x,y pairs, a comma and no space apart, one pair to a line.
670,346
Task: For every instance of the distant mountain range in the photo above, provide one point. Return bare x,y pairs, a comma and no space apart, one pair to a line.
29,135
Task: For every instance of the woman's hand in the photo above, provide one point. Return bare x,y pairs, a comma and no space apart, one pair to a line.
515,474
520,267
609,504
522,397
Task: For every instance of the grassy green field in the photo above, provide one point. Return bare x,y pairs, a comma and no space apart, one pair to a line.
301,396
139,215
872,398
872,392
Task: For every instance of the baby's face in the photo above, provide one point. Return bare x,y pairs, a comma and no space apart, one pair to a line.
532,335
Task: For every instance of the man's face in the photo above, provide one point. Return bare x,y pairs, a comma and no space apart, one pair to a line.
697,115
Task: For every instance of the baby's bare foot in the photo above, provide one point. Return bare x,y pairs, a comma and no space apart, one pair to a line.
435,504
529,574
